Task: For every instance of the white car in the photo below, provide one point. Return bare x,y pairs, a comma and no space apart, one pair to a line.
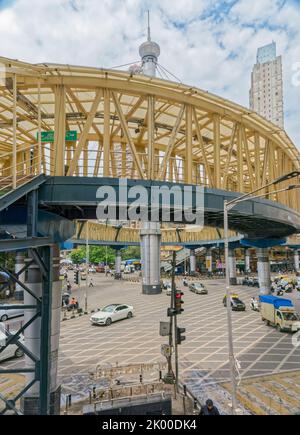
112,313
9,314
12,351
169,290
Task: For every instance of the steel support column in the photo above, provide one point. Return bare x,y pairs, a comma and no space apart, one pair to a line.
192,262
32,335
42,337
150,253
232,267
264,272
296,260
118,261
55,388
209,261
247,261
20,263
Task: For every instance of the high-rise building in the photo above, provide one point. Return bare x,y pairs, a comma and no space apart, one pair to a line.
266,93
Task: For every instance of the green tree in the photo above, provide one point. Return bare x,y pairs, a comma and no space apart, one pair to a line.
8,260
97,255
77,255
131,252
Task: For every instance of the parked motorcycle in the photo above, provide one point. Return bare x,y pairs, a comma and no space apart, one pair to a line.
285,286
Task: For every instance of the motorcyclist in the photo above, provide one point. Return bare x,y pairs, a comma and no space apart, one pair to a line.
273,286
69,287
254,304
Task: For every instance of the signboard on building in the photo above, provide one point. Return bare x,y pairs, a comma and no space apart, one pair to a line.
48,136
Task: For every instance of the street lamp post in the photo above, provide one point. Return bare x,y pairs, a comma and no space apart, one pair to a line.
106,261
87,261
229,318
228,205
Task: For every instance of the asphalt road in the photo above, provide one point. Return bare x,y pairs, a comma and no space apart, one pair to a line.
203,356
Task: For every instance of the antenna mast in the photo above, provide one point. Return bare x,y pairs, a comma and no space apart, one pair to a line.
149,30
149,52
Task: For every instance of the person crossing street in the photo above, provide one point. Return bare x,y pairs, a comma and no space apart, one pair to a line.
209,409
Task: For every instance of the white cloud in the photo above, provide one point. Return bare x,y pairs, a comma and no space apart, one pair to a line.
256,11
210,44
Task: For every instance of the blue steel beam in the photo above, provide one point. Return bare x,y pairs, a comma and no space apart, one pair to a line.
20,244
189,245
76,198
15,195
48,224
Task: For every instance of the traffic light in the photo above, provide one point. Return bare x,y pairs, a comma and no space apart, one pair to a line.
179,338
76,277
178,301
171,312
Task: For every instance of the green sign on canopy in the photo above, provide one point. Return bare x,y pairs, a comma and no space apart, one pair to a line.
48,136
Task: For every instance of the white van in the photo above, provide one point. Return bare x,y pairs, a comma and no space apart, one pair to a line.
129,269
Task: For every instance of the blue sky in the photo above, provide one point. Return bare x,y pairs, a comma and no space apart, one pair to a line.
206,43
5,3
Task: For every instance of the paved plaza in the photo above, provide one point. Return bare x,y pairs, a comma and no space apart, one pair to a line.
261,350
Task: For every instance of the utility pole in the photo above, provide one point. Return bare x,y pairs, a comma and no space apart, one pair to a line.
175,320
228,205
87,261
169,378
229,319
106,260
172,308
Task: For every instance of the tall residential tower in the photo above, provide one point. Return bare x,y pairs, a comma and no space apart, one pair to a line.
266,93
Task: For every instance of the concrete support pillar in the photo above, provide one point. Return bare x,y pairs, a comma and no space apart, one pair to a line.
209,261
30,402
264,271
118,261
150,253
296,260
232,267
20,263
32,336
192,262
55,333
247,260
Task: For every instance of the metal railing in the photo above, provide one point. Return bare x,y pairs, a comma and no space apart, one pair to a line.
32,161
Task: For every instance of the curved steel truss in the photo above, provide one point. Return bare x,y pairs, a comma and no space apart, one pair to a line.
133,126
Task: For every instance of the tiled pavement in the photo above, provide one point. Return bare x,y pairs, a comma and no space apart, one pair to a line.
271,394
203,356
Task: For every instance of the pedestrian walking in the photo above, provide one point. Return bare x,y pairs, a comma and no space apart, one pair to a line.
209,409
91,284
69,287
